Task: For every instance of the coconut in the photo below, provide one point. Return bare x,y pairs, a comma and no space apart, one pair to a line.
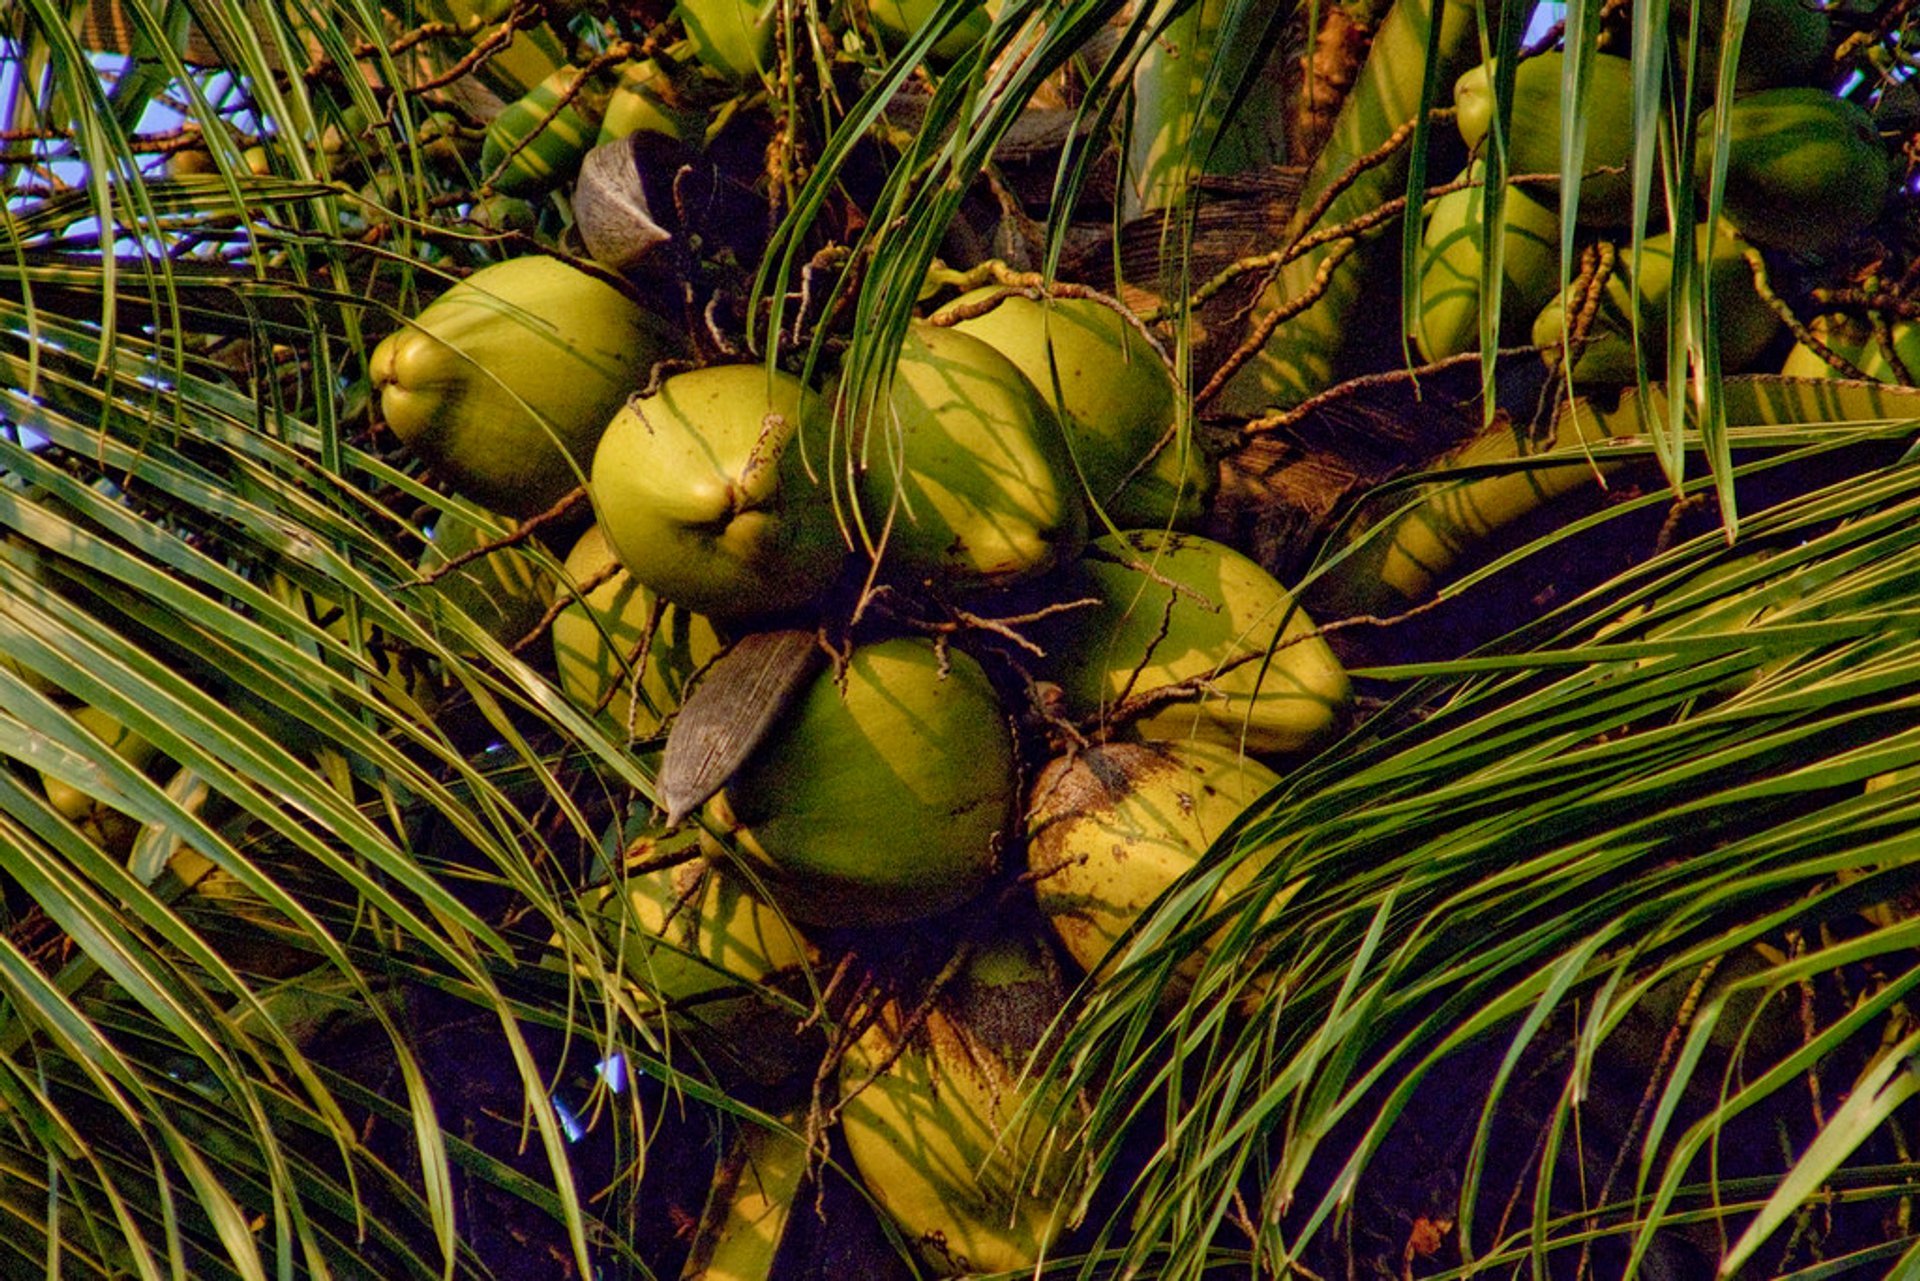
1178,609
646,99
944,1123
504,592
535,144
963,476
1533,141
1806,171
702,490
621,639
1112,827
506,381
1784,43
1113,395
731,38
897,21
1450,267
695,945
1746,323
882,796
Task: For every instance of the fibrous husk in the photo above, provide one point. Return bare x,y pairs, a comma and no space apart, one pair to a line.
1113,826
944,1122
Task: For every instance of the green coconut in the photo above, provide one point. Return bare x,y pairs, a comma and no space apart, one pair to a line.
403,679
1806,171
1533,141
504,592
1853,338
963,476
536,145
1113,826
1450,266
944,1124
1746,323
1784,43
1114,396
696,945
882,796
731,38
897,21
704,493
645,99
619,639
506,381
1181,610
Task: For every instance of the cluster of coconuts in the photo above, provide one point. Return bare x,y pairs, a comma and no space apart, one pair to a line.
909,777
1806,172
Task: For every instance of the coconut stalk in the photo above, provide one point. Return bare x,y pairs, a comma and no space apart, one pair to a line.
1302,356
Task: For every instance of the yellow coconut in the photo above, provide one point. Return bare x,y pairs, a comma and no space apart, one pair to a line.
963,475
1216,644
944,1123
1114,396
704,493
620,640
505,382
1113,826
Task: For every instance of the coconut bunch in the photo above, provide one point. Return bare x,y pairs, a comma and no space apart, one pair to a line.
914,692
911,770
1806,173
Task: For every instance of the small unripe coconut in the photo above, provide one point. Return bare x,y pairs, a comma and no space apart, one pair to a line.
944,1124
732,38
621,639
963,473
704,493
1178,609
1113,395
1746,323
1806,171
695,944
1451,259
504,592
505,382
1113,826
1533,141
536,144
881,796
